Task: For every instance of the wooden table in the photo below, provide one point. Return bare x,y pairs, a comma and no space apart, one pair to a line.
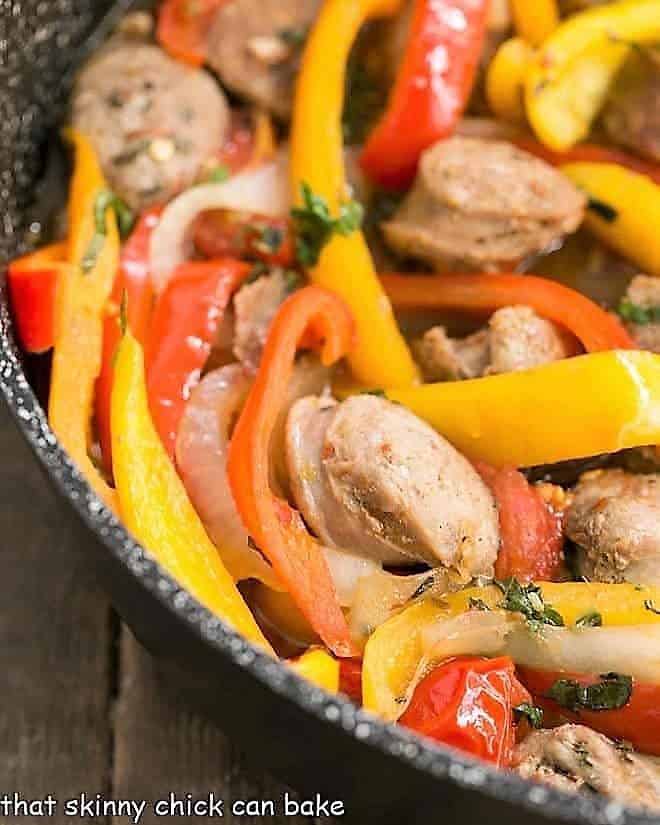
83,707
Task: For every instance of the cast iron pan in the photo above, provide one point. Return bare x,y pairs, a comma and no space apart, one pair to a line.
316,742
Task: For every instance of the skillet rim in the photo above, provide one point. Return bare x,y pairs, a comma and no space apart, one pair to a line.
431,759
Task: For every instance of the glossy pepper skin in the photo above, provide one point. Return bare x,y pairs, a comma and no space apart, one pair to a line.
634,203
531,535
505,79
570,76
154,505
468,703
307,318
132,284
32,282
79,316
183,27
183,327
346,266
394,651
592,326
638,722
536,21
522,419
432,88
319,668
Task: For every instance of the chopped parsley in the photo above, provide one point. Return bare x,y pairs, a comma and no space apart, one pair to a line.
592,619
611,693
527,599
531,713
294,38
315,226
219,174
377,393
648,605
637,314
269,239
477,604
425,585
105,200
603,210
293,280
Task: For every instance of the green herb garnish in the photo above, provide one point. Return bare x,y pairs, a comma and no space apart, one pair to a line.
378,393
637,314
315,226
603,210
269,240
105,200
531,713
295,38
477,604
611,693
527,599
219,174
292,280
425,585
593,619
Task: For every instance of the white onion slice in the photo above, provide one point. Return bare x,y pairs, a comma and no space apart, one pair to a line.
201,453
347,570
264,190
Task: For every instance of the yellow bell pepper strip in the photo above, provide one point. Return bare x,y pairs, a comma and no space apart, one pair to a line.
346,266
505,80
572,72
535,21
318,667
154,505
624,210
592,404
394,651
79,316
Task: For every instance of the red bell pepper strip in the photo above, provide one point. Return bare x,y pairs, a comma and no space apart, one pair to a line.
183,327
32,282
183,27
590,153
596,329
133,280
531,534
220,233
468,703
350,679
638,722
431,90
312,316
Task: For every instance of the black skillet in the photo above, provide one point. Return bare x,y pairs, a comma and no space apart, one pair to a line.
316,742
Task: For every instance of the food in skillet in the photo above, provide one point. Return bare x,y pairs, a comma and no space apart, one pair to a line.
356,325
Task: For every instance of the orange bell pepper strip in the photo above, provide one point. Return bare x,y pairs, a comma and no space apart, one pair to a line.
82,296
597,403
346,266
154,505
595,328
134,280
312,314
32,282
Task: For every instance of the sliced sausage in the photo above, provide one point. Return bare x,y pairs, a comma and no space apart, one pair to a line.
516,339
255,306
483,204
632,115
152,120
255,46
576,758
644,292
614,518
370,477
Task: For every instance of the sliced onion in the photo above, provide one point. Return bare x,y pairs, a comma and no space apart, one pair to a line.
264,191
201,454
633,649
347,572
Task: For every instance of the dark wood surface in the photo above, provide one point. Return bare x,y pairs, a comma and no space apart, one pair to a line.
83,708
